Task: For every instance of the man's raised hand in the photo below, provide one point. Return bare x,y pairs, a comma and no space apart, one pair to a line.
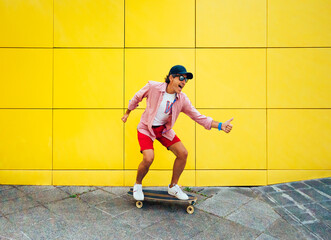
227,126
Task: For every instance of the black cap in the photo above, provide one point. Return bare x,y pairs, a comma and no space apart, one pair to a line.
179,69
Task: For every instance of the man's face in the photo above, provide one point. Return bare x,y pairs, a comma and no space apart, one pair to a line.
176,83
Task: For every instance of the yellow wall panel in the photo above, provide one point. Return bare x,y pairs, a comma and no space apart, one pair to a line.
243,148
160,178
231,23
91,78
26,23
89,23
164,159
143,65
231,177
231,78
299,23
299,139
88,178
26,78
25,177
25,139
281,176
88,139
167,23
299,78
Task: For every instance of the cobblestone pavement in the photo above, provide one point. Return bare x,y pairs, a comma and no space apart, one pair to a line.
297,210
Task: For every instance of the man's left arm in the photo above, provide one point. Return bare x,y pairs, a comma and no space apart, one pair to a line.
226,126
207,122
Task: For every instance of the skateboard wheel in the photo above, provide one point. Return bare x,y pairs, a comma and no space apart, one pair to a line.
139,204
190,209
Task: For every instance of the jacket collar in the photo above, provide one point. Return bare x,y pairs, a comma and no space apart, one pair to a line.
162,88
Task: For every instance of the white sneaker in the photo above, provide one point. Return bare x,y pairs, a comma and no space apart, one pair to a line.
177,192
138,192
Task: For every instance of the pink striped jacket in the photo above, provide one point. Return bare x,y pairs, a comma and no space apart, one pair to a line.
154,92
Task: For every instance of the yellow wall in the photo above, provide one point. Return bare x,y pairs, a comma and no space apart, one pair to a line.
69,68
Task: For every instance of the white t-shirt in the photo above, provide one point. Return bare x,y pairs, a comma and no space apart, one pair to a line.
165,109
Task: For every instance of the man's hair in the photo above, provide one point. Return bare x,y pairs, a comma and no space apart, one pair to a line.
167,80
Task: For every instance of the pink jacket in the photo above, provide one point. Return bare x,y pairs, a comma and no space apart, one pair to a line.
154,92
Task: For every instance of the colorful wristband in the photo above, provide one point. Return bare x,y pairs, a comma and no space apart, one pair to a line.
220,126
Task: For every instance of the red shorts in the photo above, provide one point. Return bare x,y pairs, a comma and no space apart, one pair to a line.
146,142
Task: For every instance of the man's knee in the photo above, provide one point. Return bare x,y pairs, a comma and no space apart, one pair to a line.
148,158
182,154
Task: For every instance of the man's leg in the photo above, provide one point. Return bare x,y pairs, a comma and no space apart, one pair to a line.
148,157
181,156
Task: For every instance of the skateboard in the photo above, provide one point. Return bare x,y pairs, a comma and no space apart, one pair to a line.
156,195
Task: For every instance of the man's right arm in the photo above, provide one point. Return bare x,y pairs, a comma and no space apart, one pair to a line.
137,98
126,115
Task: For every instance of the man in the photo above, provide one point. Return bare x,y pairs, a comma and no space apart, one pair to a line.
164,103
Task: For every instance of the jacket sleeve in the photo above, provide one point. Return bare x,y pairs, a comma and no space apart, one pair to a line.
138,97
194,114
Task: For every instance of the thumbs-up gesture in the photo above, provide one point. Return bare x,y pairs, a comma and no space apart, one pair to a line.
227,126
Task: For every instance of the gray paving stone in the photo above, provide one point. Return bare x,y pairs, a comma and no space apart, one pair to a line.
288,216
314,183
17,205
326,190
289,198
308,235
148,215
211,191
298,185
118,191
281,229
51,228
5,187
326,181
29,217
269,200
225,229
318,211
72,209
218,207
255,214
138,236
158,188
327,222
11,193
171,229
320,229
232,197
10,231
264,236
282,187
301,213
100,229
266,189
248,192
326,205
200,220
71,190
197,189
314,195
34,189
49,196
96,197
116,206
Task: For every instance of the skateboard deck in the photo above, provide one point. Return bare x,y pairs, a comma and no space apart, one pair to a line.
158,195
